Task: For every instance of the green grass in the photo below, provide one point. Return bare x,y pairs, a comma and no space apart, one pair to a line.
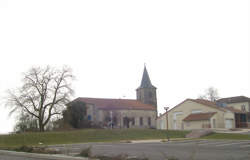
86,135
232,136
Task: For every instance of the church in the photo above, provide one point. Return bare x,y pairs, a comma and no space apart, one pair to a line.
124,113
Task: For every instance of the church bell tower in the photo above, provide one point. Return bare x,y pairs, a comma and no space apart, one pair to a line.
146,93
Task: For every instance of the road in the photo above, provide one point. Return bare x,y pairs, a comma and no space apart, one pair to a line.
183,150
11,157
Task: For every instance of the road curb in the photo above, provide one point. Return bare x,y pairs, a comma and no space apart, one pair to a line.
123,142
44,156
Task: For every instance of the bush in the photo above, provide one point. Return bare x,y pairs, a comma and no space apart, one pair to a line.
86,152
24,149
43,150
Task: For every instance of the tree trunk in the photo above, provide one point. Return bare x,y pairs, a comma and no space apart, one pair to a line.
41,126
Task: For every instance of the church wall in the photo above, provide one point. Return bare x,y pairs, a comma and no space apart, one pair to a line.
91,112
120,114
147,96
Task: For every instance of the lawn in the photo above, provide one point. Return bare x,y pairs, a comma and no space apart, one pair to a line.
86,135
232,136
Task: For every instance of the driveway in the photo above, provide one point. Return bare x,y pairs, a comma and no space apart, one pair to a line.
183,150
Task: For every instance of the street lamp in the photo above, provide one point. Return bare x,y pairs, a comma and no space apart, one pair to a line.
166,108
111,116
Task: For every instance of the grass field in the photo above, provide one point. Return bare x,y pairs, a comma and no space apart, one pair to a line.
86,135
232,136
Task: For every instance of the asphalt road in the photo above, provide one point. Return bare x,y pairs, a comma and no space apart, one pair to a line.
183,150
11,157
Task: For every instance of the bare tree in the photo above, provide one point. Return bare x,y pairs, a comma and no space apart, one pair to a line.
210,94
43,95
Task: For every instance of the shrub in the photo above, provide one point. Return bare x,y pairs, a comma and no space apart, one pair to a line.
86,152
24,149
43,150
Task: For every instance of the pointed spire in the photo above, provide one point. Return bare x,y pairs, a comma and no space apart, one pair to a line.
145,82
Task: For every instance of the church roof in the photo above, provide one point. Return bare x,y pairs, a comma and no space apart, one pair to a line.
119,104
145,82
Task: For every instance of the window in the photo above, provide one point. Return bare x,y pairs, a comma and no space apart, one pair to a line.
196,111
243,108
89,117
141,121
176,114
149,121
133,121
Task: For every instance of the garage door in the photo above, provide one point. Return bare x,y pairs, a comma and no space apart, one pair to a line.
229,123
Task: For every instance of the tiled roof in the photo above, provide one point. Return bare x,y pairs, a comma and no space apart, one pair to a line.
207,103
107,104
199,116
236,99
200,101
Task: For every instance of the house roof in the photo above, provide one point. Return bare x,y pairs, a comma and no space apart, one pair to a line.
236,99
108,104
208,103
199,116
234,110
200,101
145,82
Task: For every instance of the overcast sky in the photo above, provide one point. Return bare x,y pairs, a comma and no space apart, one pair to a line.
187,45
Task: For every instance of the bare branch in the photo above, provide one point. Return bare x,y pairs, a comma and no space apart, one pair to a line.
43,94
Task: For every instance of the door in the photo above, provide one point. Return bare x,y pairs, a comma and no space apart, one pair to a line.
229,123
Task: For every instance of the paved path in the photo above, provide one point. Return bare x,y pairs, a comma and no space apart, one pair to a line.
184,150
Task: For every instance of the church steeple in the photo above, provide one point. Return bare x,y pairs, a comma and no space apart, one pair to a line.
145,82
146,92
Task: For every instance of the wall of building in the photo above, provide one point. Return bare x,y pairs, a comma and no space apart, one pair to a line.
161,122
136,114
189,125
91,111
238,106
177,114
147,96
